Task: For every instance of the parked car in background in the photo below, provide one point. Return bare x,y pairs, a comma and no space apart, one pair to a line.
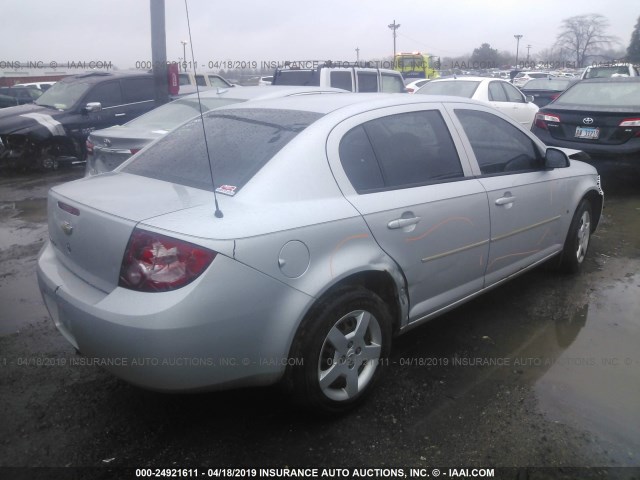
339,222
498,93
523,77
7,101
600,116
414,85
44,86
606,71
351,79
110,147
545,90
55,127
267,80
22,95
203,80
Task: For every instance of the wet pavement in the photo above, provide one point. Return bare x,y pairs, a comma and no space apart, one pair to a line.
541,372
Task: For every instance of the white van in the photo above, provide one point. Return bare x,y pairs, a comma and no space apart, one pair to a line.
353,79
203,80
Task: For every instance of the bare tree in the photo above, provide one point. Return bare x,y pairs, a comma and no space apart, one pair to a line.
582,35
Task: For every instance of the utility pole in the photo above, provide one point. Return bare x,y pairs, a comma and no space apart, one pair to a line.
357,55
159,52
517,37
394,26
528,48
184,54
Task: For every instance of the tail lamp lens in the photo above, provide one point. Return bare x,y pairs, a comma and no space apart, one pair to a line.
158,263
542,119
630,122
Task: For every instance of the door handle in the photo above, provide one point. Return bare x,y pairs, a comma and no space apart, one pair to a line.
402,222
505,200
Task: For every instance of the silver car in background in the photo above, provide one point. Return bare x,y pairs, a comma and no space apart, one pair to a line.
332,223
110,147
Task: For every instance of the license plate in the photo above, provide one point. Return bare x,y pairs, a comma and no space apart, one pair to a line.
591,133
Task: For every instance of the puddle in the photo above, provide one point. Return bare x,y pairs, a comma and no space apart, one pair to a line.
21,298
22,222
595,382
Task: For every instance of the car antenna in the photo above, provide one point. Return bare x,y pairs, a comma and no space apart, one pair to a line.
218,213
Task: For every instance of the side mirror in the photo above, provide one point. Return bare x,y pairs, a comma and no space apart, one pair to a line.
529,98
93,107
554,158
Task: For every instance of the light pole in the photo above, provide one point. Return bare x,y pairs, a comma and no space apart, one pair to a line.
394,26
517,37
184,54
357,55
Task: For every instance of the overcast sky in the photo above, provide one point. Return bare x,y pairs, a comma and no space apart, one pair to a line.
119,30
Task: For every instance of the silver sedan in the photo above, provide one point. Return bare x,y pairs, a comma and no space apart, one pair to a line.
109,147
311,232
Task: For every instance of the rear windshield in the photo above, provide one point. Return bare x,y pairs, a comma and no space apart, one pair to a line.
614,94
240,143
457,88
547,84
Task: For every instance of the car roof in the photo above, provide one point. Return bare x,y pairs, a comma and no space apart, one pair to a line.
611,80
95,77
459,78
256,92
350,103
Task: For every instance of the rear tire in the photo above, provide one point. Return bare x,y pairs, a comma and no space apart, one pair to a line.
339,351
578,238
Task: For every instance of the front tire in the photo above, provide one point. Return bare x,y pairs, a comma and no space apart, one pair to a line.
578,238
341,345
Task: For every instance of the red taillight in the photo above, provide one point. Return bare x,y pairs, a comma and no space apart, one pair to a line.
134,150
157,263
631,123
543,118
554,96
89,147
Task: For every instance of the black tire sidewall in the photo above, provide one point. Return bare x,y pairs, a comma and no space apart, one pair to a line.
570,263
310,340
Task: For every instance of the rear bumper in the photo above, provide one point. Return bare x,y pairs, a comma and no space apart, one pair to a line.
211,334
626,151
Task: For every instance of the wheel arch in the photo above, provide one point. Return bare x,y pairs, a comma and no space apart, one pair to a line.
380,282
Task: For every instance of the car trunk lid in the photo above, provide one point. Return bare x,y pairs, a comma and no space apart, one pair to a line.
112,146
91,240
591,126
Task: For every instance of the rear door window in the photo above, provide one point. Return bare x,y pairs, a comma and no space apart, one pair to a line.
400,151
240,143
